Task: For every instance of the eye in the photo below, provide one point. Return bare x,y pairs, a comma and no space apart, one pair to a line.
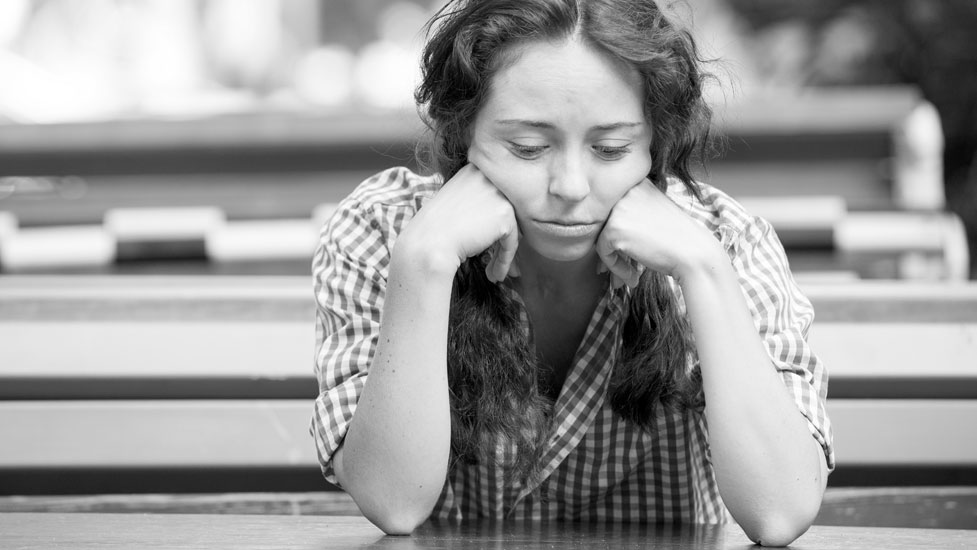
528,152
608,152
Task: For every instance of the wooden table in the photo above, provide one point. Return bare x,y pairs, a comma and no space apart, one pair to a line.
154,531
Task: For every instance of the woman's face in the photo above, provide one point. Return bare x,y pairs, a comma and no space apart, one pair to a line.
563,135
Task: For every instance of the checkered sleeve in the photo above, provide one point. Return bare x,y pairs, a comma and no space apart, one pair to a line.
348,272
783,316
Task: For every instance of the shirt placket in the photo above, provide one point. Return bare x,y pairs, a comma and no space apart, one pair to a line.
584,389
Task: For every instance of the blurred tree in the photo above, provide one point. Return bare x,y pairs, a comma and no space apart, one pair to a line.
931,44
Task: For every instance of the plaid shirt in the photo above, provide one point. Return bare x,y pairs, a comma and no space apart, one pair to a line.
597,467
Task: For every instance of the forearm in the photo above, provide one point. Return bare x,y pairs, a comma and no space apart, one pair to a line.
395,455
770,470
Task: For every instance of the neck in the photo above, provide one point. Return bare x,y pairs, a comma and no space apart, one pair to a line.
548,278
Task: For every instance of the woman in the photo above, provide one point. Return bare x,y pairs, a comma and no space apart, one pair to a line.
546,327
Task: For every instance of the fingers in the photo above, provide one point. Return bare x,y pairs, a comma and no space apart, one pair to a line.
503,256
510,243
503,251
483,221
624,271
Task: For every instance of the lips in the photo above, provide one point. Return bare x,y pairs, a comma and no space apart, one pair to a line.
566,222
567,228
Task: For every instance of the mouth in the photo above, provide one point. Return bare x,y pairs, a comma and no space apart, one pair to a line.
565,228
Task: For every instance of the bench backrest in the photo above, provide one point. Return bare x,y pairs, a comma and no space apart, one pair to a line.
216,373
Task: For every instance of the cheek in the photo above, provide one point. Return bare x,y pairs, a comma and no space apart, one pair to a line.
617,179
522,185
518,181
641,165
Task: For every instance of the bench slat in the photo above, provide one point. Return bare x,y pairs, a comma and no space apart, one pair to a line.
137,349
229,433
284,349
38,298
305,387
150,433
904,431
896,349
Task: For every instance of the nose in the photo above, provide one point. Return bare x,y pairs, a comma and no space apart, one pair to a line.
568,178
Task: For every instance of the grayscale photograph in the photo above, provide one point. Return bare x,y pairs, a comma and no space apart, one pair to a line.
500,274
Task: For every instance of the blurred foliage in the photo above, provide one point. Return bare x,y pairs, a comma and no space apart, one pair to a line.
929,43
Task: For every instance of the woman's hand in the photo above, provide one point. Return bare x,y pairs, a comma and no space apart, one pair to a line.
468,216
646,230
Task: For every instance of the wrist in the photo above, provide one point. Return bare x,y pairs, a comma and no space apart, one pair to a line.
424,258
709,263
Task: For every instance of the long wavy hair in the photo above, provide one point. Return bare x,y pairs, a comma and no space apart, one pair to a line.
493,373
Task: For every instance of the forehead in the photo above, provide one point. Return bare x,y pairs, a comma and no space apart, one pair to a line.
548,78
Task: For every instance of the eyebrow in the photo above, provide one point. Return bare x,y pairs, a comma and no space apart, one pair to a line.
550,126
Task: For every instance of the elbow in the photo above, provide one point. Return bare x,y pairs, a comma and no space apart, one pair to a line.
774,533
779,519
396,520
395,512
778,528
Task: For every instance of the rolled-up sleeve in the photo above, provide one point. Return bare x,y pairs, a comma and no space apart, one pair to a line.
349,290
783,317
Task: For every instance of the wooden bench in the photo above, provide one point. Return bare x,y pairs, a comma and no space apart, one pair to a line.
872,154
875,147
205,360
826,241
871,146
204,385
823,240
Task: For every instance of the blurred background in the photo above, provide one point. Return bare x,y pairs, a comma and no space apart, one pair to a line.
136,136
165,166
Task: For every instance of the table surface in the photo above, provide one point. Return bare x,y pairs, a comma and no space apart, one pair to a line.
242,532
